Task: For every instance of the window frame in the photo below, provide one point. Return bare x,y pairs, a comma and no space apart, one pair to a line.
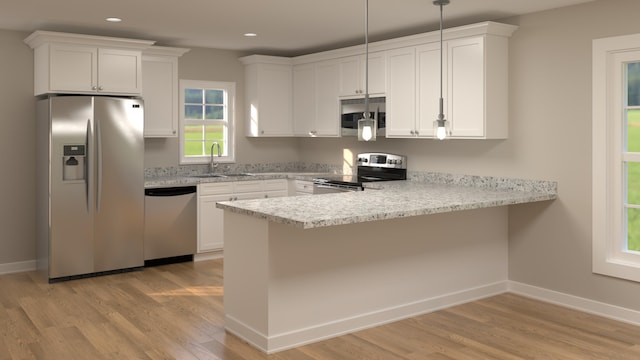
608,157
230,90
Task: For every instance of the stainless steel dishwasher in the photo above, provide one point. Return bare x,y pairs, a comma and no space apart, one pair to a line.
170,229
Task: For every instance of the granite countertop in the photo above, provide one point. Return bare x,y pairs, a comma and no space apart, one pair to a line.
395,199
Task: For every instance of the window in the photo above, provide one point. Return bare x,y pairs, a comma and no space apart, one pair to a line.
206,117
616,156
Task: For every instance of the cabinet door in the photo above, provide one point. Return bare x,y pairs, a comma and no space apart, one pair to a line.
377,73
401,92
466,87
353,75
304,99
160,93
327,120
210,222
72,68
119,71
349,72
271,106
428,95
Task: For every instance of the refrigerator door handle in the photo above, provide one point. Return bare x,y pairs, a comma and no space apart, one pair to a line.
98,165
87,173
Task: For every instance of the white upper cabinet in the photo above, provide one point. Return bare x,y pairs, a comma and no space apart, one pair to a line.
160,91
83,64
353,75
407,71
401,92
316,107
474,84
268,96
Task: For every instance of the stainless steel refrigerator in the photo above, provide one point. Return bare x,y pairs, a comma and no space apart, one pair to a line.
90,185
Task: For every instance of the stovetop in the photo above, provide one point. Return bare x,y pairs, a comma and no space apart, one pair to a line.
371,167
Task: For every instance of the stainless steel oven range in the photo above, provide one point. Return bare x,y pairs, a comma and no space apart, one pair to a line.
370,167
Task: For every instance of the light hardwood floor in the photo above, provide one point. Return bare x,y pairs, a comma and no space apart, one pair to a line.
175,312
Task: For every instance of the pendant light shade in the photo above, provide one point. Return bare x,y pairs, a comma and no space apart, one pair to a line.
441,127
367,127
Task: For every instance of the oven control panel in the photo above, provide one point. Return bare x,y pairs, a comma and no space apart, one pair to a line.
382,160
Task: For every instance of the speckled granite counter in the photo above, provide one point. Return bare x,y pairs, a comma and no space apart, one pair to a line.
425,194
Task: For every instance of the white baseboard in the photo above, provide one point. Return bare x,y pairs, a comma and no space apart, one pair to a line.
212,255
16,267
295,338
578,303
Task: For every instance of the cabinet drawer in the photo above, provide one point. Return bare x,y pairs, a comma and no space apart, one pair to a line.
276,193
247,186
274,185
215,188
304,186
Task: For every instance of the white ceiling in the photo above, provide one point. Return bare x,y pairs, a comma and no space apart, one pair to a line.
284,27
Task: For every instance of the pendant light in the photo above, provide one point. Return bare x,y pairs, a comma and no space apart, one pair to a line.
367,128
441,127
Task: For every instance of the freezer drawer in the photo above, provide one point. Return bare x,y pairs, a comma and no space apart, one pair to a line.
170,228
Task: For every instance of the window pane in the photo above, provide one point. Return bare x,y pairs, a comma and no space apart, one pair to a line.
193,96
193,112
216,133
214,96
633,183
214,112
194,140
633,130
633,84
633,229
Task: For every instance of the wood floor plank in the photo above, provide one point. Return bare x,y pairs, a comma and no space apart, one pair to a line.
176,312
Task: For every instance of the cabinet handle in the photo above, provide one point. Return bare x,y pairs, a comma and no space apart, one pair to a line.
261,131
412,132
94,88
231,198
174,132
266,196
100,88
417,132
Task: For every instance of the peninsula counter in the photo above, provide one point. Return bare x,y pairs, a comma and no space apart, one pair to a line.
302,269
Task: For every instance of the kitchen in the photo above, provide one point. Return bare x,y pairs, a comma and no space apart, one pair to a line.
550,90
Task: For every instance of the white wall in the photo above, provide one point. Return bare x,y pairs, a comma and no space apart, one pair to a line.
17,149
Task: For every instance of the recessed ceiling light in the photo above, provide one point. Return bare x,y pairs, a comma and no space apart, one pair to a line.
113,19
250,34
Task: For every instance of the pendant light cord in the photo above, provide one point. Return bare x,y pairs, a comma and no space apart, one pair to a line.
441,115
366,60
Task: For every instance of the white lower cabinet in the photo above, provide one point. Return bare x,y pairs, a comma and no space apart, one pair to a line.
302,187
210,218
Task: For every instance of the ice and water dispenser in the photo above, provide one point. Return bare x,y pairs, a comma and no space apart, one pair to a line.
74,162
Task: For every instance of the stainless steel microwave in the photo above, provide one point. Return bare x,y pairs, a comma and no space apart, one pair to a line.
352,110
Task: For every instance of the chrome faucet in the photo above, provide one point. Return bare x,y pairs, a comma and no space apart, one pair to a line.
213,165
